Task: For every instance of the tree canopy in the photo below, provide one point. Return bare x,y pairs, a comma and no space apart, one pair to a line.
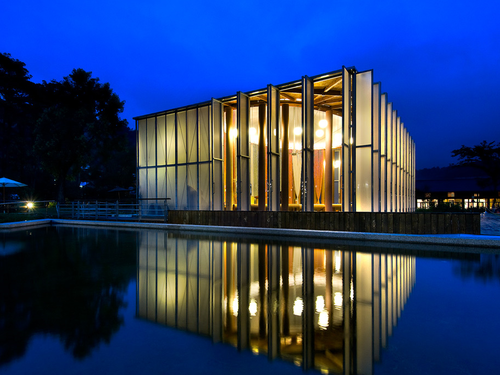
484,156
82,121
60,131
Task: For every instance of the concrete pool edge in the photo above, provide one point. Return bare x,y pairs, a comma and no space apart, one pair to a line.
459,240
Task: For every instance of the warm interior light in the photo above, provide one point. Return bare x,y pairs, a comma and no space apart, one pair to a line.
323,123
233,133
253,307
337,140
320,133
29,205
252,131
323,319
337,299
235,306
336,164
298,306
297,131
320,303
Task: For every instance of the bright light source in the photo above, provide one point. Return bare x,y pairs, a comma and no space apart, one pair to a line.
323,123
323,319
320,133
233,133
253,131
298,306
30,205
336,164
297,131
253,307
337,299
320,303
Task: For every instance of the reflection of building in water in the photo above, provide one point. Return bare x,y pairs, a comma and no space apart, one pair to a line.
324,309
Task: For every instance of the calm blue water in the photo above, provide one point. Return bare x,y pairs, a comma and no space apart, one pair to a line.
91,301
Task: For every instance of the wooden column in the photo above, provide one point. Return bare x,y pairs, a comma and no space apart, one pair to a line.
262,157
229,159
285,189
328,163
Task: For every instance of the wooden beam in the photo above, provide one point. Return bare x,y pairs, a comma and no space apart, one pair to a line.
333,84
298,90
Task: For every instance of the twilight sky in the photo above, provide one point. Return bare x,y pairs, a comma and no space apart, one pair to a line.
437,60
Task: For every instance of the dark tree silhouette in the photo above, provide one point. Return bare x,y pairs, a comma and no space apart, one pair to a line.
484,156
81,121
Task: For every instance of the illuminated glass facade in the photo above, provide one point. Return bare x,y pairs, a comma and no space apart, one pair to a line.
332,142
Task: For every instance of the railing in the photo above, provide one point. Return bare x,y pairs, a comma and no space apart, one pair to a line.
145,210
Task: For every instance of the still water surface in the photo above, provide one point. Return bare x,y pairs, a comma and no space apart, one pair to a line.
93,301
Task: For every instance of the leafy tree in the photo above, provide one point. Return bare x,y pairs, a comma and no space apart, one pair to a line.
17,114
80,122
484,156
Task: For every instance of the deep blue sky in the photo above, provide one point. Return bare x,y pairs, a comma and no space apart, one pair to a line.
437,60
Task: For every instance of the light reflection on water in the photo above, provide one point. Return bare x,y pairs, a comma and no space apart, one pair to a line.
88,297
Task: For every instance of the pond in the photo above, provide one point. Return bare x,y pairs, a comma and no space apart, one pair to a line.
81,300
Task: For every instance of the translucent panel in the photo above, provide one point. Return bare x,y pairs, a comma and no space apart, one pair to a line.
363,179
161,183
205,184
142,145
151,182
383,186
171,188
160,141
346,142
182,187
273,130
192,187
143,183
170,139
151,142
308,144
218,201
192,135
204,133
383,124
217,179
376,147
181,137
217,129
364,108
243,152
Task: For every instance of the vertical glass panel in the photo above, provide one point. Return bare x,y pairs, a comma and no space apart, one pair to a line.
273,130
192,135
363,179
142,144
243,152
205,184
170,138
192,187
143,183
162,183
160,140
376,147
181,137
152,183
383,193
204,133
389,157
217,180
182,187
151,140
308,144
171,188
346,141
364,108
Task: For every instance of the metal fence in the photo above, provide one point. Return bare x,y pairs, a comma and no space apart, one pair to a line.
145,210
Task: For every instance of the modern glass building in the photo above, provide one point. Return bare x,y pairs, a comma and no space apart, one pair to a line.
332,142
